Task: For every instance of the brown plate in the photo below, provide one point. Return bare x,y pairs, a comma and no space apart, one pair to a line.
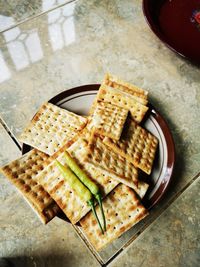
79,100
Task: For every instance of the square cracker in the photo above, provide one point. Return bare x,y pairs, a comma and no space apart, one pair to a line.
139,94
107,161
59,189
121,99
137,145
78,151
54,183
122,210
108,120
22,173
51,128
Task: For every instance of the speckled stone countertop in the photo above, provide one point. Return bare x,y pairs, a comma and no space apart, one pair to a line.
49,46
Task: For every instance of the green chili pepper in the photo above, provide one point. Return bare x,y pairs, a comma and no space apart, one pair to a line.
80,188
74,182
81,174
87,182
91,204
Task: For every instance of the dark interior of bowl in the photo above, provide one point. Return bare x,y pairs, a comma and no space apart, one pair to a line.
153,8
177,24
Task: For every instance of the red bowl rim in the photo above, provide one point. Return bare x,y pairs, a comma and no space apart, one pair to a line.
158,33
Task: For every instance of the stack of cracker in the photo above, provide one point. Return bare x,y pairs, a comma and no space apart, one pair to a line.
124,95
118,146
22,173
109,146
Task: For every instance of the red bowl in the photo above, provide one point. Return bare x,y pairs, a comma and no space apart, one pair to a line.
177,24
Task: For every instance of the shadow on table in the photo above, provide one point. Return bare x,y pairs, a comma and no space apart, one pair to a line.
51,260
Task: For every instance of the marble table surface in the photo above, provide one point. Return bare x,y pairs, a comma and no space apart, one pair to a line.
47,46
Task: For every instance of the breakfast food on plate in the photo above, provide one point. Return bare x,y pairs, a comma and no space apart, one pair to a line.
122,208
123,94
114,165
83,184
139,94
136,144
84,192
22,173
51,128
121,99
87,159
65,196
60,190
108,120
78,151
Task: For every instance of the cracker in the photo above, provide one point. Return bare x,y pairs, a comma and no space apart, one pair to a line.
51,128
118,98
122,210
110,163
54,183
22,173
137,145
78,151
139,94
108,120
66,198
93,106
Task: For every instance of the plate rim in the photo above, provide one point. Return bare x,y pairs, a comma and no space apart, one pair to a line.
160,192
